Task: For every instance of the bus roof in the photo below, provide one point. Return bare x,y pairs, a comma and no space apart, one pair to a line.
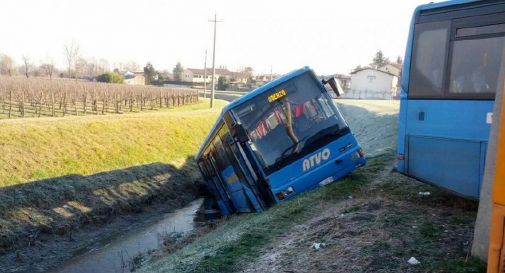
247,97
443,4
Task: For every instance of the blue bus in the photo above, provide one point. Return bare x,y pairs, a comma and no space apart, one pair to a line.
281,139
454,65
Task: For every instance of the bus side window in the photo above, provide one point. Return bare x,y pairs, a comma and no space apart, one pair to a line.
475,64
429,58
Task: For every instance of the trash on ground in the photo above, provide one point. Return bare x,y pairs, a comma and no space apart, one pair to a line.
318,246
413,261
424,193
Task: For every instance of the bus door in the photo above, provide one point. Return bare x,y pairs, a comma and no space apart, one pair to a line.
216,187
241,194
247,179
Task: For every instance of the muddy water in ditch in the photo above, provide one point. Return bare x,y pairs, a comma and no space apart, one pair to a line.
116,256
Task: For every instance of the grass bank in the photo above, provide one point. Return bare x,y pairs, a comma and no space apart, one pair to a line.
58,173
39,148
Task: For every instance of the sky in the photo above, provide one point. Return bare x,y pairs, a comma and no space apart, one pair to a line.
329,36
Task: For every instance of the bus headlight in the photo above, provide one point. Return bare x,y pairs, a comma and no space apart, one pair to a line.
283,194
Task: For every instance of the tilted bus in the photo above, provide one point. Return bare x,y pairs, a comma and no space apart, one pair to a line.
454,65
281,139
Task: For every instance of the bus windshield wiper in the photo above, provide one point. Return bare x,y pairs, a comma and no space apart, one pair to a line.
284,156
330,131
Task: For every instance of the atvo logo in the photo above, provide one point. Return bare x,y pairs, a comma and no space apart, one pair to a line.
316,159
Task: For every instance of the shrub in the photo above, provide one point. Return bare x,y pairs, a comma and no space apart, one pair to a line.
110,77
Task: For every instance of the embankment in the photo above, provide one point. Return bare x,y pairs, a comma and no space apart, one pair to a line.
59,173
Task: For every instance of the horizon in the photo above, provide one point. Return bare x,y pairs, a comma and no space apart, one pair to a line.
263,36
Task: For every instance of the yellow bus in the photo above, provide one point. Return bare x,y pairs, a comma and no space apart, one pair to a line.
496,254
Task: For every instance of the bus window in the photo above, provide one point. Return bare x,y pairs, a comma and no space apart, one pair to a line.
288,122
472,31
475,66
429,57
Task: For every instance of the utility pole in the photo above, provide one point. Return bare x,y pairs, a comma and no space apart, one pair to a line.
205,76
270,73
213,90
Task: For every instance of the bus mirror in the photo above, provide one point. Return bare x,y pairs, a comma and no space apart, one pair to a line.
335,86
241,133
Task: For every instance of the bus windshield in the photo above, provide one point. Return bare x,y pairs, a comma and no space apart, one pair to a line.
290,121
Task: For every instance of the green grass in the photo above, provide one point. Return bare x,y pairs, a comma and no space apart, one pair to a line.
58,173
38,148
243,237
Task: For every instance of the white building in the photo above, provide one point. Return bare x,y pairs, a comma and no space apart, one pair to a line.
195,75
371,83
134,78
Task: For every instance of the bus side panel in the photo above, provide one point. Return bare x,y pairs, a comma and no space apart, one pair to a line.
446,141
451,164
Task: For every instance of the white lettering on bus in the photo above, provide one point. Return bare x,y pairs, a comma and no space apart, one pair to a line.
316,159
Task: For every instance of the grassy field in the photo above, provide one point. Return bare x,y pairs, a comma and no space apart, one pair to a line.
39,148
57,173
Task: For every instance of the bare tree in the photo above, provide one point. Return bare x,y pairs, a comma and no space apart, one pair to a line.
27,66
80,67
71,50
7,66
129,66
102,66
48,68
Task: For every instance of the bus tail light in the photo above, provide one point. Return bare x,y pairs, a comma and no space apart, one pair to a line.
283,194
400,157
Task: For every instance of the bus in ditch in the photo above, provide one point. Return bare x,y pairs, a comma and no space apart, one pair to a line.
277,141
454,65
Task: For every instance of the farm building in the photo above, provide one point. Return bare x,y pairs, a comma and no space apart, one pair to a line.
134,78
372,83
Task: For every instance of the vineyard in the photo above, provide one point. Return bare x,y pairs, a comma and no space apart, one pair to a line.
37,97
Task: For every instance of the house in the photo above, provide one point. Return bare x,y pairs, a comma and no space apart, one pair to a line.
134,78
196,75
372,83
392,68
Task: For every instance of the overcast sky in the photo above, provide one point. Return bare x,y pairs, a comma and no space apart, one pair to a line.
330,36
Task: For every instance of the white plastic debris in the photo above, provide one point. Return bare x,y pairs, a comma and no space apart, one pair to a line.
424,193
413,261
318,246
